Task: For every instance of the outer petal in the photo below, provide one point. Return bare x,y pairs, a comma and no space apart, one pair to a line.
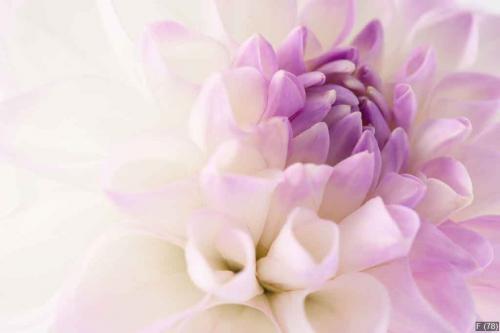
286,95
243,19
401,189
154,179
411,312
330,20
370,42
48,132
350,303
41,243
454,36
375,234
157,285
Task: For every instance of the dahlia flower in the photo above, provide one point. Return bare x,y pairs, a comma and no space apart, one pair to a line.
249,166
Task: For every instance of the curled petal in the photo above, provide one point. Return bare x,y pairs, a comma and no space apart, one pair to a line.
271,20
367,142
302,185
372,115
311,79
438,137
286,95
395,152
258,53
404,106
370,42
303,255
330,20
317,105
401,189
310,146
449,188
348,186
337,306
375,234
343,137
239,196
299,45
418,71
220,257
222,110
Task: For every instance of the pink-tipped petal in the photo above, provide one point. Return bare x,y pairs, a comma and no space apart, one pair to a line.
401,189
449,188
454,37
437,137
375,234
302,185
343,137
222,110
258,53
348,186
404,106
370,43
310,146
299,45
286,95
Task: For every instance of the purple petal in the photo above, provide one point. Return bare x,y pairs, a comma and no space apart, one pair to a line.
404,106
395,152
286,95
343,137
258,53
311,146
370,43
401,189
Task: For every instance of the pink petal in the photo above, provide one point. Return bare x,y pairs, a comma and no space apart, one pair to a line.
437,137
350,303
372,115
311,79
404,106
286,95
241,197
418,71
310,146
395,152
489,44
411,311
454,37
449,188
222,110
348,186
370,42
173,50
258,53
302,185
375,234
345,134
317,105
330,20
401,189
303,255
299,45
367,142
